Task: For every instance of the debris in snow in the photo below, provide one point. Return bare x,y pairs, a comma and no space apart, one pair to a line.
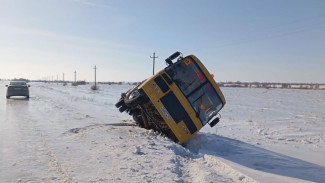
241,177
138,151
74,130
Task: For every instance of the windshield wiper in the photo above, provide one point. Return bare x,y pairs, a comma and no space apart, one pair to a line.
198,112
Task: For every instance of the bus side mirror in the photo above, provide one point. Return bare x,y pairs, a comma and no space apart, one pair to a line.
214,122
172,57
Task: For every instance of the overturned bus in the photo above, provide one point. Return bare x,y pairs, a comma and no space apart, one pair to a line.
177,101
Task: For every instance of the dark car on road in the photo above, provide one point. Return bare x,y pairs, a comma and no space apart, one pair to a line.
17,88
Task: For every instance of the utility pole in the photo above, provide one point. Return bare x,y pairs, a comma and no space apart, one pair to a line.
95,76
153,66
57,79
63,78
75,77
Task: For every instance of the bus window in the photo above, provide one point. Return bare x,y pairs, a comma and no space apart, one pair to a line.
186,75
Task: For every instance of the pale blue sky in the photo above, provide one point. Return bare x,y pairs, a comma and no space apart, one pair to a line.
253,40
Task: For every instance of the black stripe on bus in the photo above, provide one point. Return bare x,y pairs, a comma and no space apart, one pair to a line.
161,83
177,111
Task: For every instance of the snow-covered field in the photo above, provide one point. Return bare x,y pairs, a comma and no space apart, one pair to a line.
74,134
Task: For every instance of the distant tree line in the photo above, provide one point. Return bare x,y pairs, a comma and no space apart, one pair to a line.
119,83
79,83
16,79
314,86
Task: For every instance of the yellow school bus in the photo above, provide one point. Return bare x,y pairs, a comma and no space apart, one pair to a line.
177,101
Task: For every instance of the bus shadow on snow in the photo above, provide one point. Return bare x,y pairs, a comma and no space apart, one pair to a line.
255,157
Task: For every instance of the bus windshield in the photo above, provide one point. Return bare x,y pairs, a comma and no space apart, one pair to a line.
196,88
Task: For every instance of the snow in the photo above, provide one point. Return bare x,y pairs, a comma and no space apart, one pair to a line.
75,134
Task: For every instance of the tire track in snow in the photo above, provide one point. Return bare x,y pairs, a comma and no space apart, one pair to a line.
53,161
55,172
